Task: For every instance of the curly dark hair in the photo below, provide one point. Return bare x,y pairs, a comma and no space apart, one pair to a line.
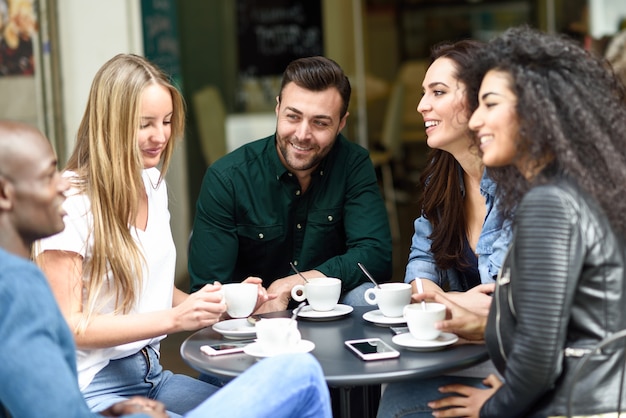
442,198
570,106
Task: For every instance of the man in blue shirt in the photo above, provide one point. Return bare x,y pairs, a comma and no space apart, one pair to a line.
305,195
38,355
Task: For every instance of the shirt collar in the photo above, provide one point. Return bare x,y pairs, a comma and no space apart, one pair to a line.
487,185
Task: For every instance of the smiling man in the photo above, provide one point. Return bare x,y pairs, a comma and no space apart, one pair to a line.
305,195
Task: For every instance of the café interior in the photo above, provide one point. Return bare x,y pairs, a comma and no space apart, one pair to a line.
227,57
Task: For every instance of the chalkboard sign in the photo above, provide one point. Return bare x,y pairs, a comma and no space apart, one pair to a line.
272,33
160,36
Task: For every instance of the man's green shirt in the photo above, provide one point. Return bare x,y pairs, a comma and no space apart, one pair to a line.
252,218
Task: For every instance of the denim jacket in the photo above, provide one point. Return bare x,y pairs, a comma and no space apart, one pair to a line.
491,248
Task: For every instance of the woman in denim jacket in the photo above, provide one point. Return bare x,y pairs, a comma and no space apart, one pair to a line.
460,239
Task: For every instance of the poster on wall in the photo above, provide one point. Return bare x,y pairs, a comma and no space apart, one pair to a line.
18,27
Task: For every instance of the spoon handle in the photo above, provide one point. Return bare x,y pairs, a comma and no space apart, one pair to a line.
420,289
298,272
297,311
367,273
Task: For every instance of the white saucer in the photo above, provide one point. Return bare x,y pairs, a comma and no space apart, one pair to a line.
255,350
406,340
235,328
377,317
339,310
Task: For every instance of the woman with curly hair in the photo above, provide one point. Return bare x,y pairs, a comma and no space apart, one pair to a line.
552,131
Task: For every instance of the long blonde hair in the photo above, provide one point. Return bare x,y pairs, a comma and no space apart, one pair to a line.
108,165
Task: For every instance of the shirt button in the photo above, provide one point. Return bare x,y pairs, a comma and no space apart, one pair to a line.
290,174
261,236
330,218
297,192
295,262
322,173
299,226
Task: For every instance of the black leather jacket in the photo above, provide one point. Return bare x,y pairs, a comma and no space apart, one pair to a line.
561,289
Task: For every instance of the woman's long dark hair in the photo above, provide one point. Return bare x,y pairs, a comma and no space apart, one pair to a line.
570,107
442,199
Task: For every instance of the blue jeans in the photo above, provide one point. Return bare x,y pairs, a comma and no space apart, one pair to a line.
356,296
142,374
289,385
410,399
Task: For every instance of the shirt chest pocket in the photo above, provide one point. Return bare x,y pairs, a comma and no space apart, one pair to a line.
326,219
256,239
326,233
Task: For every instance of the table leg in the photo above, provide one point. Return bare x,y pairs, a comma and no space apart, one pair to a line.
344,402
368,397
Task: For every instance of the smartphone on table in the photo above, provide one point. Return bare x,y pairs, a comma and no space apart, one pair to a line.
372,349
225,347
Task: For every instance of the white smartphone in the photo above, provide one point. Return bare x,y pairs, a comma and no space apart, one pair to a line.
227,347
372,349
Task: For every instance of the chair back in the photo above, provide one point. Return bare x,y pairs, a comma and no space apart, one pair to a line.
391,137
210,116
412,73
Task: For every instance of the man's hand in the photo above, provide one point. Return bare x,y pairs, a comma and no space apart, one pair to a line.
279,292
136,405
263,295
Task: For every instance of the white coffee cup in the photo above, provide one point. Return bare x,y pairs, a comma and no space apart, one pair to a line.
277,335
391,298
240,298
322,293
421,319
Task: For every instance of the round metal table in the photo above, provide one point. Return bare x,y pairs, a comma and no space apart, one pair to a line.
341,367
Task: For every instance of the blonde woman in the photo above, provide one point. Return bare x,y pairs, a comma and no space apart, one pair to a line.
112,268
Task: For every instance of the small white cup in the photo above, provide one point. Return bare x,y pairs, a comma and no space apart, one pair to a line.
421,321
277,335
391,298
322,293
240,298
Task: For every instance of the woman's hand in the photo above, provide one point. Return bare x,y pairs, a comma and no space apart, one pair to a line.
200,309
263,296
466,401
477,299
459,321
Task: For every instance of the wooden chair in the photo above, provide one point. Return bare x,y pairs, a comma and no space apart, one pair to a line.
382,158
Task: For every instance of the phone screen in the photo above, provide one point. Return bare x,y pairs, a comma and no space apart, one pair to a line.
370,347
230,345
